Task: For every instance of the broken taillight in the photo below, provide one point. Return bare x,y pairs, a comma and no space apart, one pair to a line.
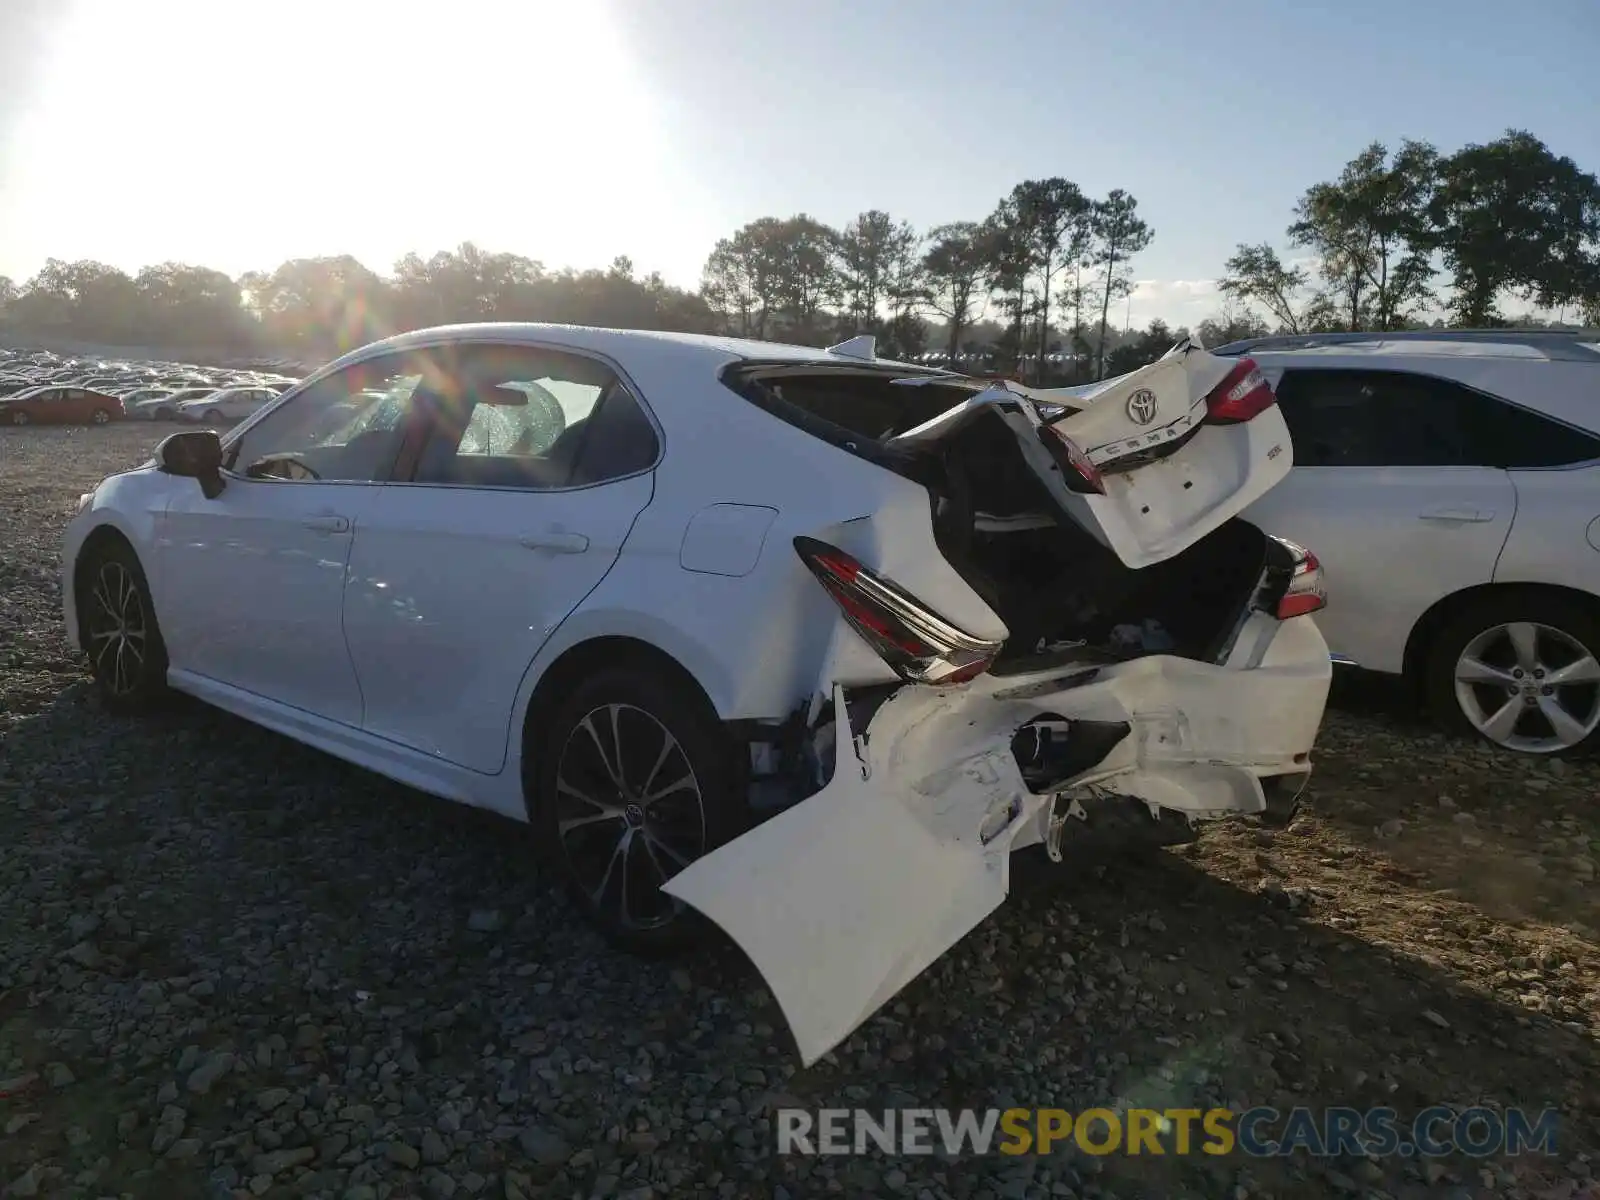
1243,393
1305,592
1077,472
919,644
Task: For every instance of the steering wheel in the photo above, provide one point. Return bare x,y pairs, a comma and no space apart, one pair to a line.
281,466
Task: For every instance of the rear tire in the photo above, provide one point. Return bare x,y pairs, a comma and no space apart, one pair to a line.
635,779
100,417
19,418
120,634
1519,669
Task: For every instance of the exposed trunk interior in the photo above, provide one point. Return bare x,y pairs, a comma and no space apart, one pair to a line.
1063,595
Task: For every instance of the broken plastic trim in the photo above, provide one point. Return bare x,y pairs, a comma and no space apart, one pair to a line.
920,645
1050,749
1103,823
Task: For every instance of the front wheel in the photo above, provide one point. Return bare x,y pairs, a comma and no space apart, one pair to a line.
120,633
1521,670
100,416
635,780
19,418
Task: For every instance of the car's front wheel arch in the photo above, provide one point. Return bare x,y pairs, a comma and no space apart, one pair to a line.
94,548
106,548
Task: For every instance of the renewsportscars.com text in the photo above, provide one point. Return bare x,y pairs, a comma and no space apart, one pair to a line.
1256,1132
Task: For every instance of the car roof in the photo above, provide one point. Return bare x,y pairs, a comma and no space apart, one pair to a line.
621,344
1549,345
1549,372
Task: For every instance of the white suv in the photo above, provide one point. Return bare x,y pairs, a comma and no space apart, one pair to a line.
1450,482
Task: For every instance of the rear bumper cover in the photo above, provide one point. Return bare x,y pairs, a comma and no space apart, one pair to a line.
847,896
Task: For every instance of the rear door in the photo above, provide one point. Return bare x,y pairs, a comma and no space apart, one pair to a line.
1555,468
1397,490
74,407
512,512
1170,470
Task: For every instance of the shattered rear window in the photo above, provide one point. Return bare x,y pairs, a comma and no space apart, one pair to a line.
866,403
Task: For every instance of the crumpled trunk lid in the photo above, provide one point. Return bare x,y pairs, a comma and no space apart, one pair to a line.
1170,474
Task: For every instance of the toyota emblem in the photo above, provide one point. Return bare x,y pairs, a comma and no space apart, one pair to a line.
1142,406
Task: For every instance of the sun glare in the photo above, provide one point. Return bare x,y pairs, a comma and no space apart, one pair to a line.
239,134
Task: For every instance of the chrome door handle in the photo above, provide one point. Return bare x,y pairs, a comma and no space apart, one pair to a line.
1446,513
327,524
558,543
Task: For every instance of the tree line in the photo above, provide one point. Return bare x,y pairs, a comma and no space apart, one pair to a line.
1507,218
1029,289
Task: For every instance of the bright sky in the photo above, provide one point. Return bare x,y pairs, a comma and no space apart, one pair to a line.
240,133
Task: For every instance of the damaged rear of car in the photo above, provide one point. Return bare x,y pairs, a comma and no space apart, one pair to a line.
1078,642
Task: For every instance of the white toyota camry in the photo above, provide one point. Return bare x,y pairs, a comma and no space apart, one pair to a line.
802,639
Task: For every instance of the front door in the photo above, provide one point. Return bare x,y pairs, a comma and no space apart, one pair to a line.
254,580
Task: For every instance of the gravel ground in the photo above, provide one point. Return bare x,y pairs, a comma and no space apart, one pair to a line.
232,966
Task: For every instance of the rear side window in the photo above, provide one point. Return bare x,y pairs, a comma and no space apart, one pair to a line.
1399,419
620,440
1526,439
532,418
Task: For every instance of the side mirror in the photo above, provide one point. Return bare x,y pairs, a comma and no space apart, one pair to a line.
194,454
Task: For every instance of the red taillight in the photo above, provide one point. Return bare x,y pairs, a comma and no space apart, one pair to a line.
1242,394
919,644
1077,472
1305,592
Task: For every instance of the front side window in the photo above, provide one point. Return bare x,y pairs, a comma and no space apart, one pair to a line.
348,427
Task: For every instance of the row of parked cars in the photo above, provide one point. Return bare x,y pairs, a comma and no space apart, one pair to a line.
41,388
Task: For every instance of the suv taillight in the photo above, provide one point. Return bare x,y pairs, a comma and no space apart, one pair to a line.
920,645
1243,393
1305,592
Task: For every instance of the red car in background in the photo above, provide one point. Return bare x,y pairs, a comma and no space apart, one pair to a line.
50,405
